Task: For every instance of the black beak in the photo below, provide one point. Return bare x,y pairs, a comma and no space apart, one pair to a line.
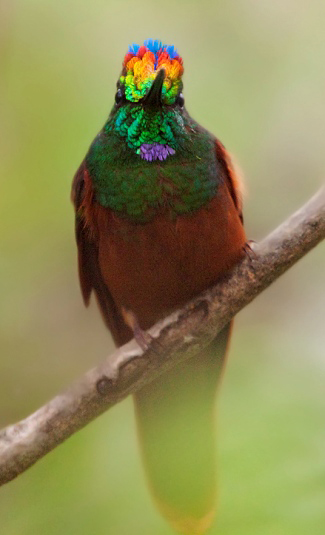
153,98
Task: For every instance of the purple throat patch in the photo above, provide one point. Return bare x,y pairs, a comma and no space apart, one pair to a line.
155,151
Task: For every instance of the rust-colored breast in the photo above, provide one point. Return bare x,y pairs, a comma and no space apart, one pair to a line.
155,267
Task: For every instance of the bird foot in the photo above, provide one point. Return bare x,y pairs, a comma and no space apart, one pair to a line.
143,338
249,250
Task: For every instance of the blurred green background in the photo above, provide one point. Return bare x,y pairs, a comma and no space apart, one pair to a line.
254,75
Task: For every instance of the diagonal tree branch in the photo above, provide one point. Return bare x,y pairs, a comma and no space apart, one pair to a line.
176,338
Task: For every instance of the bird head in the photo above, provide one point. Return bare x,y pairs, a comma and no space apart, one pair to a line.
149,102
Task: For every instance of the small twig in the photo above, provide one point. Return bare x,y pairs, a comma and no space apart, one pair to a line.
177,338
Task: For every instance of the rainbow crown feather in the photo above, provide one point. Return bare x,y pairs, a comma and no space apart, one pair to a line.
140,67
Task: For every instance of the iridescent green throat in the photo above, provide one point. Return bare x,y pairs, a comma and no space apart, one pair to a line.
139,126
137,189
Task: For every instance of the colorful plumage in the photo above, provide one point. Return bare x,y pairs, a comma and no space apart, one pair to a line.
158,220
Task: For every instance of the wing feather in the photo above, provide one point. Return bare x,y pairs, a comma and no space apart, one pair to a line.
233,179
90,275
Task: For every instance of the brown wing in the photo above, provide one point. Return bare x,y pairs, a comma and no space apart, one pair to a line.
234,182
89,270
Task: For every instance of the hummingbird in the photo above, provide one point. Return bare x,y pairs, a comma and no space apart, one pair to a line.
159,219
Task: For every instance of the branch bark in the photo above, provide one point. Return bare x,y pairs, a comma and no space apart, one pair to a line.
176,338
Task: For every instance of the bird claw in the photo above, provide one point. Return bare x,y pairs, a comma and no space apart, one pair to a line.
249,251
143,338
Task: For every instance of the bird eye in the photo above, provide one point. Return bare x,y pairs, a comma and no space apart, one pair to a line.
180,100
118,96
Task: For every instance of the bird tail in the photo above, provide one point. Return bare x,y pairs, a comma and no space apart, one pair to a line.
175,419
